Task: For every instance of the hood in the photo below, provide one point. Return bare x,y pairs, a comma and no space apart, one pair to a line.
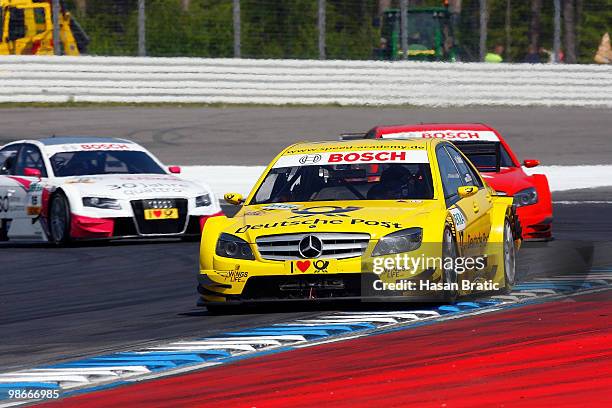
377,218
509,180
129,186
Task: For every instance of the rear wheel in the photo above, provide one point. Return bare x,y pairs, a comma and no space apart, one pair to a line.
509,258
449,275
59,220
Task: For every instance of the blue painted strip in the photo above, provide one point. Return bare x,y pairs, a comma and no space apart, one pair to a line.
468,305
490,302
448,309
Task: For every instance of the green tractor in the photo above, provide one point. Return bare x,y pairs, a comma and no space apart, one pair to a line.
430,35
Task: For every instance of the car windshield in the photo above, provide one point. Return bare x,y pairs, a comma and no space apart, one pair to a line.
346,182
484,155
86,163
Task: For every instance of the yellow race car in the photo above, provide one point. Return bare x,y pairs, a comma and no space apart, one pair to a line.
361,219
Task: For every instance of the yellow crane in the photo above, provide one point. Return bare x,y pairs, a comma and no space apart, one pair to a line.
27,29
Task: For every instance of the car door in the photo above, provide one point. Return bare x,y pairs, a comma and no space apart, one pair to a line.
8,186
463,210
29,157
481,203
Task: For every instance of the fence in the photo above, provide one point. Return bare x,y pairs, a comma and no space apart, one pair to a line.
193,80
340,29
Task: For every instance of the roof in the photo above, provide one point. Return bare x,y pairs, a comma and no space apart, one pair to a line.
51,141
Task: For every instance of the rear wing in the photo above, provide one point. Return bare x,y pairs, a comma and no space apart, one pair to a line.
352,136
477,151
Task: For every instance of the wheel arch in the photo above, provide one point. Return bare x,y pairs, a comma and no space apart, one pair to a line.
503,210
55,192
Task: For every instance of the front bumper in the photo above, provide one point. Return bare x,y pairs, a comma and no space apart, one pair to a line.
89,228
329,287
536,222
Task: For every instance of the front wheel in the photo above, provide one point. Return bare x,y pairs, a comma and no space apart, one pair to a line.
4,230
59,220
509,258
449,275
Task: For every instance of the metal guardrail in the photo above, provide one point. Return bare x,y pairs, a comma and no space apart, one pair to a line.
278,82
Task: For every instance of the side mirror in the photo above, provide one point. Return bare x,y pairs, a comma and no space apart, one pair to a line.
30,172
529,163
174,169
467,191
233,198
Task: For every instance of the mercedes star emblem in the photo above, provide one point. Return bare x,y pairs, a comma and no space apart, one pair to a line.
310,247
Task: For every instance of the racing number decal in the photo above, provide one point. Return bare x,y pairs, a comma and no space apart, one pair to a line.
460,223
34,199
458,218
120,186
4,204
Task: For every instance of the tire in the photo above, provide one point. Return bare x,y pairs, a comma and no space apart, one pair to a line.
509,253
4,230
59,220
449,250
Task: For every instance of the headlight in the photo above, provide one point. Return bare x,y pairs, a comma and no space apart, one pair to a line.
230,246
203,200
398,242
104,203
528,196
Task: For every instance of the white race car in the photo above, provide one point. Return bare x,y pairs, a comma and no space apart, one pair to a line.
73,188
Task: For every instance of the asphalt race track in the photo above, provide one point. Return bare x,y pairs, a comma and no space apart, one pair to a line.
62,303
252,135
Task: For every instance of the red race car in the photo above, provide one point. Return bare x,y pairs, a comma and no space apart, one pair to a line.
490,153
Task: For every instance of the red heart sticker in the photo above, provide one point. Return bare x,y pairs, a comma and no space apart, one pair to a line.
303,265
157,213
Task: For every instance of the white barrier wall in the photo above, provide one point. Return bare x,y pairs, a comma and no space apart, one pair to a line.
185,80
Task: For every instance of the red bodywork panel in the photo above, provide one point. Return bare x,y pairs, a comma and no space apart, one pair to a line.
24,182
536,219
205,218
87,227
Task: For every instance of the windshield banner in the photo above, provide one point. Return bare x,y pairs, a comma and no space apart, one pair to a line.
348,157
92,147
459,135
